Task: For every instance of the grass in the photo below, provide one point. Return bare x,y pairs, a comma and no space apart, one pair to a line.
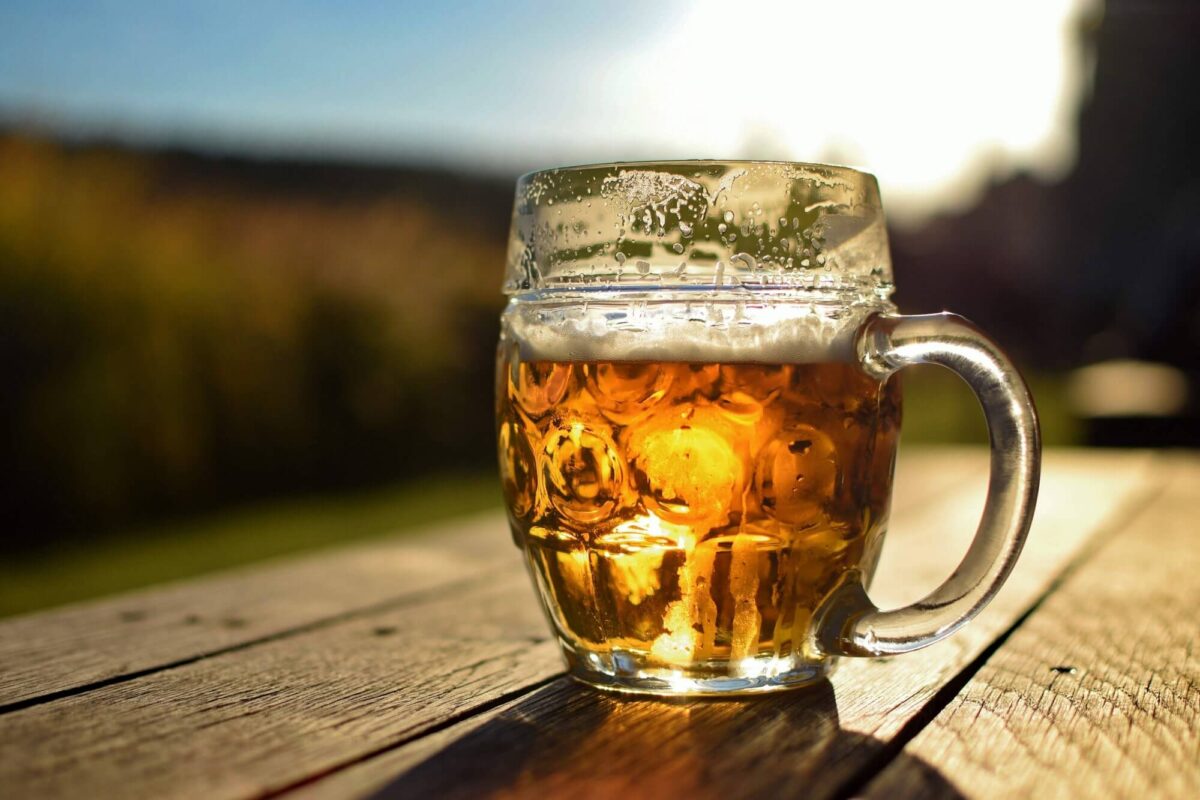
171,551
940,409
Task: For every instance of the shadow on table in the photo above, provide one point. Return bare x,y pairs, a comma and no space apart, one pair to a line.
569,741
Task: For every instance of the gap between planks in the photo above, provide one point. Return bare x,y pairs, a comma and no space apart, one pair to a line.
50,655
626,747
231,725
1098,694
266,718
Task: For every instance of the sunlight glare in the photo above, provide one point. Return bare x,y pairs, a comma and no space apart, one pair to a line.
934,97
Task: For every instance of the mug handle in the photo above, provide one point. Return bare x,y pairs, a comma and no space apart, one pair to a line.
849,623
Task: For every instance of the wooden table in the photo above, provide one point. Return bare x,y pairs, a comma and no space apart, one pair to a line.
421,667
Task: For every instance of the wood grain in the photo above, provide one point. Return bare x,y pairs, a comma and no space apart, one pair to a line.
365,700
249,722
563,740
48,654
1098,693
265,717
53,652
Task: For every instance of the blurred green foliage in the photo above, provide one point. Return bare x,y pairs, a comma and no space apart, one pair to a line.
152,554
170,345
940,409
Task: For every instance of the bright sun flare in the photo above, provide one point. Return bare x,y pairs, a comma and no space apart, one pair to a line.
931,96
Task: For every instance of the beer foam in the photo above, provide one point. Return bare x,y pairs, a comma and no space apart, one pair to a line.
696,332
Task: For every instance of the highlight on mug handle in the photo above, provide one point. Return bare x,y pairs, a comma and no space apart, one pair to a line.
849,623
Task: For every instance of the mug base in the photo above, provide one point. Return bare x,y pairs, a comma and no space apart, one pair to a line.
625,673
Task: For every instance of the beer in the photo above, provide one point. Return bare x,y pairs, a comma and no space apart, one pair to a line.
691,514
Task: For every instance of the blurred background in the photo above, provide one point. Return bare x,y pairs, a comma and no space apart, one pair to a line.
250,253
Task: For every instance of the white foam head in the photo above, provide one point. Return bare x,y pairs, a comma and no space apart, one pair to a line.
703,330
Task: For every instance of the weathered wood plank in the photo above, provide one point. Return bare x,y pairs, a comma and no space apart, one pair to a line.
277,714
48,654
263,718
55,651
1098,693
563,740
246,723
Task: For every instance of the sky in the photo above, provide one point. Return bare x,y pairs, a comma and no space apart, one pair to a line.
935,98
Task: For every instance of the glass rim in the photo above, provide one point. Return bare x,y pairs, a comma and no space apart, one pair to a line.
652,164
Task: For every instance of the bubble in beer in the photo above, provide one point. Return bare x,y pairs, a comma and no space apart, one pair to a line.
795,475
627,391
517,469
583,473
539,386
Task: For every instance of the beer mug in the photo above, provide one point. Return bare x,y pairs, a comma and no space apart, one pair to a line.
698,412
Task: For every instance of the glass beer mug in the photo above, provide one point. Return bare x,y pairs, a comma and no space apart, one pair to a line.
697,414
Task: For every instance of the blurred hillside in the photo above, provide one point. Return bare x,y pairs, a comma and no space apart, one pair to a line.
182,331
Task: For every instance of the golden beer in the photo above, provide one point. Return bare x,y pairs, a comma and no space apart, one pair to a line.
693,515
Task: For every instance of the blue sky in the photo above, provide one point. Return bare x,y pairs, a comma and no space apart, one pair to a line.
398,77
928,94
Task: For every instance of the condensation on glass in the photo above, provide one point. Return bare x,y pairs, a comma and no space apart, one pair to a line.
697,418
